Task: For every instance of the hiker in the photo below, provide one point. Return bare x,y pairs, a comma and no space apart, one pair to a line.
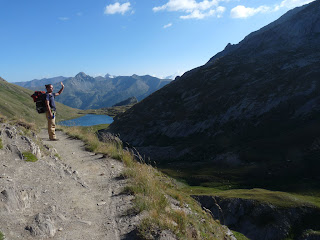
51,110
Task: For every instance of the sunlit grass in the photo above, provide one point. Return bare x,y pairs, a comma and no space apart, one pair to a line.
29,157
277,198
239,236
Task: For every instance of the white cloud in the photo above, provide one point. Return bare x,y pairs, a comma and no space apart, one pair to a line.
192,8
168,25
219,11
117,8
245,12
293,3
196,14
63,18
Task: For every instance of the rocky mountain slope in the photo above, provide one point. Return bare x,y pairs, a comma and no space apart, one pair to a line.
255,104
86,92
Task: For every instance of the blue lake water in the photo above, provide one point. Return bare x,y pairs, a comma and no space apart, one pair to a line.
87,120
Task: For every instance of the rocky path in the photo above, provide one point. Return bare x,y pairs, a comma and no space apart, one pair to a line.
72,194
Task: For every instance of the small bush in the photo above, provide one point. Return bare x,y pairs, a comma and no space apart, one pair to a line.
29,157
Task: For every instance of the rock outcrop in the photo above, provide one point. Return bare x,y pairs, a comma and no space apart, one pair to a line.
262,221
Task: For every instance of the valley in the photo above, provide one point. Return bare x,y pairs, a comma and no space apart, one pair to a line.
228,150
247,119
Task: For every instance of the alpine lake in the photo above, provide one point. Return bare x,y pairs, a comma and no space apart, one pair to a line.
87,120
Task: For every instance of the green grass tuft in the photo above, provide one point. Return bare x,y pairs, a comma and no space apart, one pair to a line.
239,236
1,236
1,145
29,157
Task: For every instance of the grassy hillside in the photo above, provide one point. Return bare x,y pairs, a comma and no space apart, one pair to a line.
16,103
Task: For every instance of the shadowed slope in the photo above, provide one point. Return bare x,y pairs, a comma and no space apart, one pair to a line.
258,103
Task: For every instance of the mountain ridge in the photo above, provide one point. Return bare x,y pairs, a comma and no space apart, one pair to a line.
86,92
230,48
253,105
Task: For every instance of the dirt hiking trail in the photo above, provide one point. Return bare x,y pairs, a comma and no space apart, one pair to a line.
72,194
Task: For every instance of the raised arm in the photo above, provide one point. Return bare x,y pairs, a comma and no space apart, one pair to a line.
62,87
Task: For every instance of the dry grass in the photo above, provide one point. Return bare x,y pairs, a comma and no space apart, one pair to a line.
168,208
156,194
2,118
26,125
92,142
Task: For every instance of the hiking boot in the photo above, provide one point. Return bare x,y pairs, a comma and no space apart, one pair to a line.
55,139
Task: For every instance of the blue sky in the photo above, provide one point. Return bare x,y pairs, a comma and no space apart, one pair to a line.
48,38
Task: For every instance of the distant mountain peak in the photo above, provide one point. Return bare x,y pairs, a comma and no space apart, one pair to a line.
109,76
81,75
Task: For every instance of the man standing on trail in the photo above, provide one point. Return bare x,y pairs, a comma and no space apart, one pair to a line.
51,110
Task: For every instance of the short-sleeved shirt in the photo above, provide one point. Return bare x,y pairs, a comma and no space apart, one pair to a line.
50,98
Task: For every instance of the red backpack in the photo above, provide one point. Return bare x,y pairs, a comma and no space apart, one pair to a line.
39,98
